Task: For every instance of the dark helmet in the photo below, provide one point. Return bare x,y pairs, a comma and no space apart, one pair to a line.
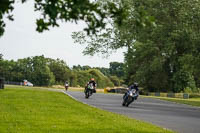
135,84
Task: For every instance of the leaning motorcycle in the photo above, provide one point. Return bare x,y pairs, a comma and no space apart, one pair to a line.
89,90
129,97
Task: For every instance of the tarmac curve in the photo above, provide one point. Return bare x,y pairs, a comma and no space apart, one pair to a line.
177,117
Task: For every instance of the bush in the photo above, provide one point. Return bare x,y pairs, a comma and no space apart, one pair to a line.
187,90
194,95
102,80
115,80
83,77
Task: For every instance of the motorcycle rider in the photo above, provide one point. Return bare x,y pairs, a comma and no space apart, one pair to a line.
133,86
94,84
66,85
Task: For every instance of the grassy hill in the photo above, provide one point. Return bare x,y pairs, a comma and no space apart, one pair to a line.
34,110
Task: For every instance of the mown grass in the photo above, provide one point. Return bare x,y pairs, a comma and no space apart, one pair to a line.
191,101
31,110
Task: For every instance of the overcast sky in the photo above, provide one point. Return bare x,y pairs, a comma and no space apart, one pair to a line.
20,40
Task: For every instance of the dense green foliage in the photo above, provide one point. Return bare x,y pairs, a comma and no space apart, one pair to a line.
117,68
166,56
35,110
43,71
83,78
93,13
116,81
161,36
105,81
115,72
60,70
5,8
34,69
162,40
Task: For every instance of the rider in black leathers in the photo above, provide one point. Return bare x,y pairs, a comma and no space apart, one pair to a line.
92,81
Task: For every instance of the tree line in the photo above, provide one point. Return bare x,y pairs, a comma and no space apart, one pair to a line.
162,39
161,36
166,55
43,71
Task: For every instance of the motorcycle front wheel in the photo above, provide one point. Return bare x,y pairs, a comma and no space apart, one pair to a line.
88,93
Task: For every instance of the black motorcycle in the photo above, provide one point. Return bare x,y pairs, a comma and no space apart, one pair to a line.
129,97
89,90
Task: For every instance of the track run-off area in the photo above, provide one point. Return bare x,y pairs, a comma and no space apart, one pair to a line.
177,117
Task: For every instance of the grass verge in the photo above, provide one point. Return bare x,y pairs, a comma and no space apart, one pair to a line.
31,110
191,101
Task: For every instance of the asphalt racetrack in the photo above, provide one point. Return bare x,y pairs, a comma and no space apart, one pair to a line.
177,117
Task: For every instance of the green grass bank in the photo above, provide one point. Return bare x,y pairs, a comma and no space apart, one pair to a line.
191,101
32,110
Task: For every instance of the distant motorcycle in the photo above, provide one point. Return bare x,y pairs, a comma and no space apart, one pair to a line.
129,97
66,85
89,90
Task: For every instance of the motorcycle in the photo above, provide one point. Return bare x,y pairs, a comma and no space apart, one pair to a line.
129,97
66,86
89,90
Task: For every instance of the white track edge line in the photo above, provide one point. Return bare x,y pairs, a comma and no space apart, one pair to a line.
65,92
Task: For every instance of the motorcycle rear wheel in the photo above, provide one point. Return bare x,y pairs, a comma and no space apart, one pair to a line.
129,102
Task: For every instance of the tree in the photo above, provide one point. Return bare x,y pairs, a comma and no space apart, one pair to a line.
117,34
102,80
170,47
93,13
79,67
117,69
115,80
25,67
1,56
5,8
9,70
83,77
145,65
36,70
103,70
43,71
60,70
162,41
42,75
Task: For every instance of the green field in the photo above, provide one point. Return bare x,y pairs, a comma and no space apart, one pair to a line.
191,101
33,110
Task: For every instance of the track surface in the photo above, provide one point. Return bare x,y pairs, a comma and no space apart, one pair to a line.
178,117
